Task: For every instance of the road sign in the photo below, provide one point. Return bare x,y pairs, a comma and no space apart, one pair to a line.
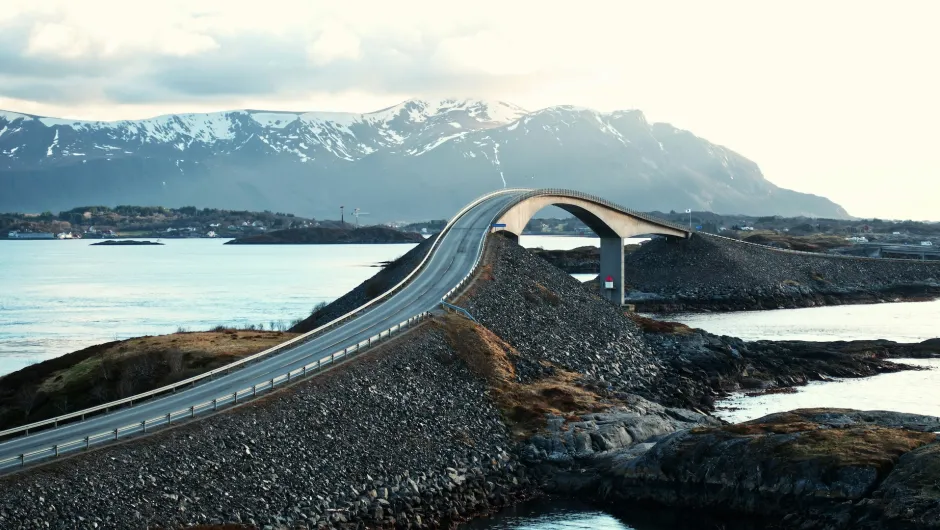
498,225
609,282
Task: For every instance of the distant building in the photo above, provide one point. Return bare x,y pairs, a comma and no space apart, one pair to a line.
30,235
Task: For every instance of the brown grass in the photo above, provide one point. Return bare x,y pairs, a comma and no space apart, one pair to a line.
649,325
524,406
861,446
878,447
200,351
547,294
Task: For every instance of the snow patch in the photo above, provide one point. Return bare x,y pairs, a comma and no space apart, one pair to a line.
438,142
55,143
455,125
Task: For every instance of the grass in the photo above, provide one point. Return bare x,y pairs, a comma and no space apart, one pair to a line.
114,370
869,446
856,446
523,405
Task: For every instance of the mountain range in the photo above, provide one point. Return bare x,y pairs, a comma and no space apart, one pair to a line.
419,159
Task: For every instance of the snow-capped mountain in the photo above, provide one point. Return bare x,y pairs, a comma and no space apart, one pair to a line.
418,159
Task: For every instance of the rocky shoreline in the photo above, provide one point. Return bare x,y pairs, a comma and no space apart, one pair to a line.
551,390
709,273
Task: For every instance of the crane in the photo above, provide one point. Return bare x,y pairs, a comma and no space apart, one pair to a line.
357,213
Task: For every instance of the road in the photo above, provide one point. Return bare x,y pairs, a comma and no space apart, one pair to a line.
450,263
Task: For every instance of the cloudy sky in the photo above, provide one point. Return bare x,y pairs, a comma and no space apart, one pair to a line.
838,98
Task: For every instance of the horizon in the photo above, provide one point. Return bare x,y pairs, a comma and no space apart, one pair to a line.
843,112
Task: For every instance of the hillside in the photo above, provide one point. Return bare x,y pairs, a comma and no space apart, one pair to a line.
418,159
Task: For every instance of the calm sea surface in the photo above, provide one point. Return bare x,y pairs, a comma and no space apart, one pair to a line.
60,296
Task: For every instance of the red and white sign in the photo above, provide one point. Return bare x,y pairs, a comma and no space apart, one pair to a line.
609,282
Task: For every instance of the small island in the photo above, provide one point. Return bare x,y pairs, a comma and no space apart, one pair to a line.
125,242
330,236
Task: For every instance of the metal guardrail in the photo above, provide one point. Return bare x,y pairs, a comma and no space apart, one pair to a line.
929,263
458,309
233,398
54,422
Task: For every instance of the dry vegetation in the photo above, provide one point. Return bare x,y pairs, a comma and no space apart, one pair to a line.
523,406
808,243
649,325
119,369
862,446
878,447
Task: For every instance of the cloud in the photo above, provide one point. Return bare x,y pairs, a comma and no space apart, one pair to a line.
177,51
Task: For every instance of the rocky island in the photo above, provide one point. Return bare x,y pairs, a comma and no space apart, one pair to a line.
124,243
329,236
550,390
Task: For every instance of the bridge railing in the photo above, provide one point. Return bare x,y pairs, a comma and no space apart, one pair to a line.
82,415
169,416
930,263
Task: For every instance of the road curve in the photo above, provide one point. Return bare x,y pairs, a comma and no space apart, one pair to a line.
453,259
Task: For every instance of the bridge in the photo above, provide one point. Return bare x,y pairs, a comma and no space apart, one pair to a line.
447,267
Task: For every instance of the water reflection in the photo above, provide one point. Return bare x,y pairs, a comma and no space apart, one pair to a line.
553,513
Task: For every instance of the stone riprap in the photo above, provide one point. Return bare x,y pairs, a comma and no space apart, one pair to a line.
715,273
403,436
549,317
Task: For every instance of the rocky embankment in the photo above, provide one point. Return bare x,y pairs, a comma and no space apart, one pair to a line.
330,236
404,437
708,273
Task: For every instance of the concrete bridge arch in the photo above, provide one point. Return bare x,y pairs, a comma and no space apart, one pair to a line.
611,222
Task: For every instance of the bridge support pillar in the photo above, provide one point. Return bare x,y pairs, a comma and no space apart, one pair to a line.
612,266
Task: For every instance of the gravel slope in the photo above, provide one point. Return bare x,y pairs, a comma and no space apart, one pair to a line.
714,273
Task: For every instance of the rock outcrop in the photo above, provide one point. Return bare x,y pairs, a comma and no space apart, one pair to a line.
809,469
712,273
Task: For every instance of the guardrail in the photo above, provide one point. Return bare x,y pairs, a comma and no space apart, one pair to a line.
458,309
82,414
821,254
233,398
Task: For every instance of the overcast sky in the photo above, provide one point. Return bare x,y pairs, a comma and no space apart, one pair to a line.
837,98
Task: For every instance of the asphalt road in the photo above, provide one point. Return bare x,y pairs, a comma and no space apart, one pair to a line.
448,265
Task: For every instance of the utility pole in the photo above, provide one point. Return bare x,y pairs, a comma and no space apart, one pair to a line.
689,211
342,222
